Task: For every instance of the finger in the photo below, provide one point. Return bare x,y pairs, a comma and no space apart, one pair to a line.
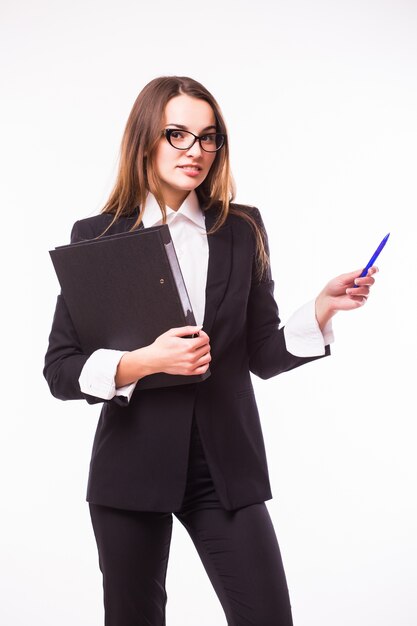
355,301
202,369
200,341
366,280
350,276
371,270
204,359
358,292
194,371
357,279
196,364
201,352
184,331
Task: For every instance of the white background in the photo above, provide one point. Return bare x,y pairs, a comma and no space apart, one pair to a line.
321,103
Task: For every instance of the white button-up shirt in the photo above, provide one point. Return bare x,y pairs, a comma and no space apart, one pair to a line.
188,231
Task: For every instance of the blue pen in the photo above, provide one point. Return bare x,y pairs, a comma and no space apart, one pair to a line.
374,256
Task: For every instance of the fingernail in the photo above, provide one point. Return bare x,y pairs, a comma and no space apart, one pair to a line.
356,281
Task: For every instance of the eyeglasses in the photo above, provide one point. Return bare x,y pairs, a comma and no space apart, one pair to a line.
184,139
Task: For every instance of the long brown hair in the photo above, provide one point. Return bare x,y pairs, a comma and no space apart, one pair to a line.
137,172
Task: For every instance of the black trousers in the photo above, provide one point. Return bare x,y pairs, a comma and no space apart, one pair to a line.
239,551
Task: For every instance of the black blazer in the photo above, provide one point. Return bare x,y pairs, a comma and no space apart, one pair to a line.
140,451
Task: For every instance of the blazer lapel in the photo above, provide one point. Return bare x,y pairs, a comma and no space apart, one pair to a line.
219,268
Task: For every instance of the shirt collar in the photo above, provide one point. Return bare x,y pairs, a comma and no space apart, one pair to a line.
190,209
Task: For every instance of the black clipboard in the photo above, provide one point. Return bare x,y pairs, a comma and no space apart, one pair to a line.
123,291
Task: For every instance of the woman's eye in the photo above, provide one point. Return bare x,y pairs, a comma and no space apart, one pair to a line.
208,138
177,134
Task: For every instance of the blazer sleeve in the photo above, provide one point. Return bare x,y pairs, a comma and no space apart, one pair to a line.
64,358
268,355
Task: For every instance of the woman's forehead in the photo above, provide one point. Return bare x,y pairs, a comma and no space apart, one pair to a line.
185,110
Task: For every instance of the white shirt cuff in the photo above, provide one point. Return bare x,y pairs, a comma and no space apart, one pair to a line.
302,333
97,377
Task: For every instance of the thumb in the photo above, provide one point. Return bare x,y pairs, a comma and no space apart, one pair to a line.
350,276
184,330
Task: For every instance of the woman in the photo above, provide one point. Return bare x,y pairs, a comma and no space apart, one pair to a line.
195,450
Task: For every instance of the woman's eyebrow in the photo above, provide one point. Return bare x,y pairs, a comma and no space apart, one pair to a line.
182,127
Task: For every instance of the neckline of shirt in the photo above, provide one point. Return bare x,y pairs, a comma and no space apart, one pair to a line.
190,209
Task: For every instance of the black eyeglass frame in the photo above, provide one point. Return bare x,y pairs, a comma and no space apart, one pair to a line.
167,132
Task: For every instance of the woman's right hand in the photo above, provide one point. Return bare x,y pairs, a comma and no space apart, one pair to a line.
173,352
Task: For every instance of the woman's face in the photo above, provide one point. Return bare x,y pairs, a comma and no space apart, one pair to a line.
181,171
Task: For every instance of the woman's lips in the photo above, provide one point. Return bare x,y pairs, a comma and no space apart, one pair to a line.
190,170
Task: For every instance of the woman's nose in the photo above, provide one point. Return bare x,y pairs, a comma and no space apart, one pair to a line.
195,149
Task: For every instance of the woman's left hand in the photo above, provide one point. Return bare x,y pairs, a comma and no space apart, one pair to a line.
340,294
